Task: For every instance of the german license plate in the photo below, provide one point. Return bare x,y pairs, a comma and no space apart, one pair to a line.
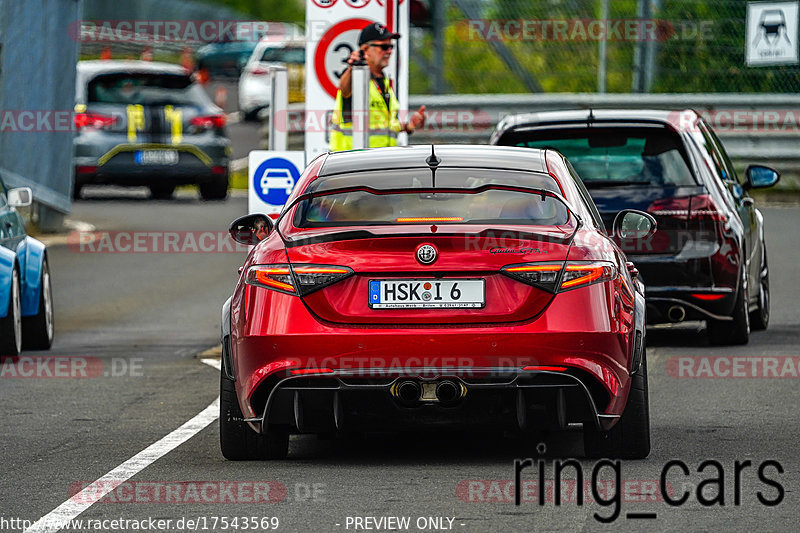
426,293
157,157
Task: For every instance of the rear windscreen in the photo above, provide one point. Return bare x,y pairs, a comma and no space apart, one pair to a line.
284,55
491,206
615,156
145,89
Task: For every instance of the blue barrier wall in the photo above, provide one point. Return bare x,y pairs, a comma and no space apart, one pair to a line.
37,76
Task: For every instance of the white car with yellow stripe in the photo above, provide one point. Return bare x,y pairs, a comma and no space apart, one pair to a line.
146,123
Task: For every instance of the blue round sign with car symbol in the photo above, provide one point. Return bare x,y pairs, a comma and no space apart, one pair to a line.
274,180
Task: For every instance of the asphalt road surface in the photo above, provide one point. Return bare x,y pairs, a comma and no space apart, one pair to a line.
134,324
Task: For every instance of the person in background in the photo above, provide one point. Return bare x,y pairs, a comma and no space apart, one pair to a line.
375,48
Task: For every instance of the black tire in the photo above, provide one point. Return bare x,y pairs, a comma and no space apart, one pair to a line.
216,189
237,440
76,191
759,318
737,331
630,436
11,324
252,115
37,330
162,191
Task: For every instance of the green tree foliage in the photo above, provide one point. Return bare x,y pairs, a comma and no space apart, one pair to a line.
273,10
699,47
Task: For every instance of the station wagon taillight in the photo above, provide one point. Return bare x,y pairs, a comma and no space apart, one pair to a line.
699,207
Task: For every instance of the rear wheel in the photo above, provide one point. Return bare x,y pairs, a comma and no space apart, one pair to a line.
216,189
759,319
76,191
162,191
37,330
736,331
630,437
237,440
11,325
252,115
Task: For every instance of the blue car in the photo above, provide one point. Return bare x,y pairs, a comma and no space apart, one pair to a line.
26,300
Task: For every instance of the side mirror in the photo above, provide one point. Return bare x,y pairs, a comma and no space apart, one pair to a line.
633,224
250,229
21,197
759,177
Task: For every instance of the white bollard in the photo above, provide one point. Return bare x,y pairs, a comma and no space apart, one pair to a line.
360,107
278,108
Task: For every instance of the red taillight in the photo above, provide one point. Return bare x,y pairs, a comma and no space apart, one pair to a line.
219,169
700,207
259,71
209,122
85,169
570,276
271,277
549,368
676,207
703,207
308,278
709,297
93,120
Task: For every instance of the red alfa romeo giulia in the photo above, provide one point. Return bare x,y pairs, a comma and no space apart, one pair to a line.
433,287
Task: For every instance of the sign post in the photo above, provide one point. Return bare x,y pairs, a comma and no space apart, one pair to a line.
272,176
771,33
332,29
278,107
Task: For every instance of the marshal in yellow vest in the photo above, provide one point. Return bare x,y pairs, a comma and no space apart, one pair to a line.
383,123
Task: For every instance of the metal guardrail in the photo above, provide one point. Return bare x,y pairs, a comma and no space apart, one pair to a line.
754,127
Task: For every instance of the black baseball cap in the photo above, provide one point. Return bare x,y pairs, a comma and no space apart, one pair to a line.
376,32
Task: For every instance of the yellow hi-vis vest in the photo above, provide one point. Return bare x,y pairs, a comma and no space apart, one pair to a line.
383,123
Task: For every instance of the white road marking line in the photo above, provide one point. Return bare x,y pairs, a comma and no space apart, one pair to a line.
60,517
216,363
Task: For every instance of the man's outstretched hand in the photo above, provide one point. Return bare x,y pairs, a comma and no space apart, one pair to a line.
417,119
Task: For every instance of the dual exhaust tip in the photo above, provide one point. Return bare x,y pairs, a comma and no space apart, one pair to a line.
445,392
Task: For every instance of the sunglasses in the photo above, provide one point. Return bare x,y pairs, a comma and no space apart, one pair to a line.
383,47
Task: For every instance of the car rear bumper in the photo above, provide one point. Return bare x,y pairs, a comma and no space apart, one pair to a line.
592,384
491,399
699,288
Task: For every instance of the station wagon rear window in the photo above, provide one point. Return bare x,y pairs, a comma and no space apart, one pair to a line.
145,89
616,156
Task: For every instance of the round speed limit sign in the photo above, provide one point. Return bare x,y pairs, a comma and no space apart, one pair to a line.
333,51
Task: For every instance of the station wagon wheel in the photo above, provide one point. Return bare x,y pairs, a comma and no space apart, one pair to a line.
161,191
11,325
759,318
736,331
